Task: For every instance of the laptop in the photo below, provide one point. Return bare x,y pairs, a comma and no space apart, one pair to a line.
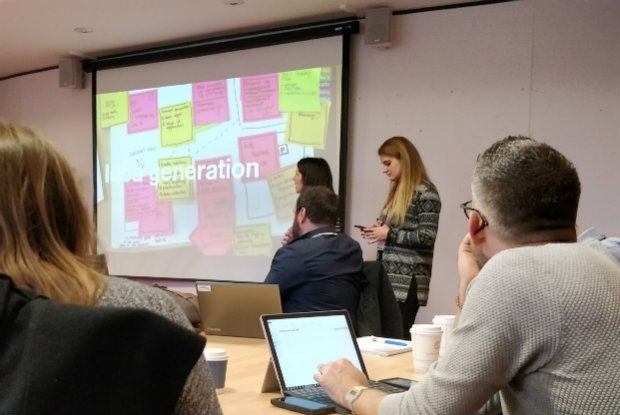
299,342
234,308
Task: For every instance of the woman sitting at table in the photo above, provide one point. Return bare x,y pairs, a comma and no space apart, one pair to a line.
47,242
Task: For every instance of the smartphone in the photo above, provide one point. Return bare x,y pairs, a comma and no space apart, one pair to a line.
359,227
303,406
402,383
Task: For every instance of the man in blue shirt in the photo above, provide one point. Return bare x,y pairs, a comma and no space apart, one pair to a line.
319,269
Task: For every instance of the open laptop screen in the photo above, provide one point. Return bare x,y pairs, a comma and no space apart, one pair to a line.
301,341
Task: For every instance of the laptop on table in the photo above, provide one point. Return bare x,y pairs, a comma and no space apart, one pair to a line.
299,342
234,308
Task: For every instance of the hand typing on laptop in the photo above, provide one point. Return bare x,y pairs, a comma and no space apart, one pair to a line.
340,380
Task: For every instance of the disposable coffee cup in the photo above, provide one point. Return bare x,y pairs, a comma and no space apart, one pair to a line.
446,322
426,339
217,360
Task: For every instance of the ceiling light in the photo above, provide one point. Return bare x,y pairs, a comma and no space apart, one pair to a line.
83,30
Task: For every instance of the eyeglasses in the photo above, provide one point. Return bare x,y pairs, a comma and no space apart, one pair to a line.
466,209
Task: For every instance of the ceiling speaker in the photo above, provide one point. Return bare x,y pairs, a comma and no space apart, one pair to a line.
378,23
70,73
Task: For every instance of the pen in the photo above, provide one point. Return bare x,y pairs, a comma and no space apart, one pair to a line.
388,341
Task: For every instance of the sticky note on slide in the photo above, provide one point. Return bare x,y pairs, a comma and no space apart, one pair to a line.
253,240
210,102
176,124
259,97
140,199
212,240
282,189
261,149
113,109
300,90
309,128
175,178
159,222
143,113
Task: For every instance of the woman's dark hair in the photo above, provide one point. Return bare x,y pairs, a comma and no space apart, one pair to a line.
315,172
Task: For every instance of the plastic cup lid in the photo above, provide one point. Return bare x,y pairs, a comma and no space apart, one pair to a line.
213,353
425,329
443,318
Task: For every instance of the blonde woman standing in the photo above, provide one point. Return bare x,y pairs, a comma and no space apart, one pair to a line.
406,229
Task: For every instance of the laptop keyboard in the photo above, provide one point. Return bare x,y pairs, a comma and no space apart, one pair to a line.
317,394
313,393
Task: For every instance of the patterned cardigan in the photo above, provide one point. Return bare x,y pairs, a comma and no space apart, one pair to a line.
408,250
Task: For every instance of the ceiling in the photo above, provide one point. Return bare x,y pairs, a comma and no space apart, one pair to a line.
35,34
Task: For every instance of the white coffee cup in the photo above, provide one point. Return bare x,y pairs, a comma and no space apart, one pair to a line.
426,340
217,360
446,322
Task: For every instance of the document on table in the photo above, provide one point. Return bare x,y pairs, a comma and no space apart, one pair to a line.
382,346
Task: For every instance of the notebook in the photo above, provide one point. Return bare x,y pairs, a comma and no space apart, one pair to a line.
299,342
234,308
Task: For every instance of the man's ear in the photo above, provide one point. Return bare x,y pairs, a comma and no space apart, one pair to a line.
303,215
476,234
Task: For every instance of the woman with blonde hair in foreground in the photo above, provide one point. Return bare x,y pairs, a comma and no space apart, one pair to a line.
47,242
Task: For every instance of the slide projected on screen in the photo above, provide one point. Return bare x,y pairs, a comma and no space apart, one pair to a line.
195,180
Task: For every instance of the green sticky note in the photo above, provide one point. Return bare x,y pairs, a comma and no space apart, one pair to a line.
176,124
300,90
113,109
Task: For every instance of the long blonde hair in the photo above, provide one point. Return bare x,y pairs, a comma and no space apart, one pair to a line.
412,174
46,236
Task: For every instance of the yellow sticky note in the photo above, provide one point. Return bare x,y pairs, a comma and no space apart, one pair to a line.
176,124
252,240
299,90
175,178
283,195
308,128
113,109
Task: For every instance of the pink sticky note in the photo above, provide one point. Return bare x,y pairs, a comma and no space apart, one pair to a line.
140,199
143,112
216,240
215,195
259,97
261,149
160,222
210,102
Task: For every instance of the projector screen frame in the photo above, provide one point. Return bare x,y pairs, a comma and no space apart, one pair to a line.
234,43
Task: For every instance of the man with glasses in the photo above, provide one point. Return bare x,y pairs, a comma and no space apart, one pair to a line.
540,318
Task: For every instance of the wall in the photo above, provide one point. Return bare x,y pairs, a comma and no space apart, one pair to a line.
454,81
61,115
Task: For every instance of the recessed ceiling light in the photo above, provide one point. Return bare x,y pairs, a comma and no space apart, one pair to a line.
83,30
234,2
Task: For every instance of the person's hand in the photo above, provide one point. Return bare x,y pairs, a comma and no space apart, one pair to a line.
467,265
288,236
338,377
375,233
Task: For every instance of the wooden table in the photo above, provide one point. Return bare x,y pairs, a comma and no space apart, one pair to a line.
247,364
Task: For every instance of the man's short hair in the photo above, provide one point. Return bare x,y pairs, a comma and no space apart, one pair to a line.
321,204
527,186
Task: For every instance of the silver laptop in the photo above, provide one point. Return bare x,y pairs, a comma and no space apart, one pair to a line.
234,308
299,342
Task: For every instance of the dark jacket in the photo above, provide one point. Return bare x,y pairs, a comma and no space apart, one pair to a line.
320,270
378,313
66,359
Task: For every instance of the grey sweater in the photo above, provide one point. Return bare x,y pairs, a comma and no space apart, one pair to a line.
198,396
408,251
541,326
